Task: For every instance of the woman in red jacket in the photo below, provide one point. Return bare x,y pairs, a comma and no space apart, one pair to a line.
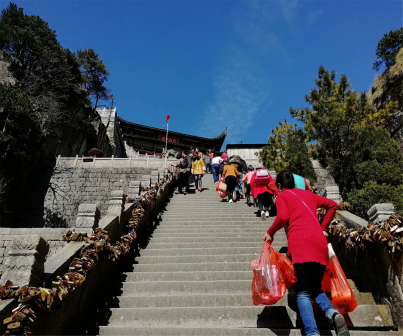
307,245
264,194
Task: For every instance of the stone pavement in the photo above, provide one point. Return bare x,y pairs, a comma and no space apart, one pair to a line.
194,278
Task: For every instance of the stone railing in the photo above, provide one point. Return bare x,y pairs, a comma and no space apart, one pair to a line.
26,264
372,267
152,161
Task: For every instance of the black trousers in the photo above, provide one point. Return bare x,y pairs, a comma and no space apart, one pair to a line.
230,181
198,180
309,275
247,192
183,181
264,201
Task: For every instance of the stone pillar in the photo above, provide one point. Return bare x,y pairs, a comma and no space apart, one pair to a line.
134,188
115,204
380,212
162,173
145,181
154,176
333,193
25,262
88,216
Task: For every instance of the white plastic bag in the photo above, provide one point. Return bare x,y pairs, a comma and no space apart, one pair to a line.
331,251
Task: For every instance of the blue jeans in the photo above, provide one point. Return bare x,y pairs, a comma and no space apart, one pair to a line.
216,172
308,286
239,186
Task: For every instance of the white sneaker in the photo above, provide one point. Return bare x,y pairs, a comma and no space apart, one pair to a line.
267,214
230,201
263,215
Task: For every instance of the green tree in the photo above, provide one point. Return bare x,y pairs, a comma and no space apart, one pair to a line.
377,171
48,73
273,155
95,75
388,47
334,120
297,155
288,149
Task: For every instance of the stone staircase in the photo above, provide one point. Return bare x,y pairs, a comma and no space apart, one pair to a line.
194,278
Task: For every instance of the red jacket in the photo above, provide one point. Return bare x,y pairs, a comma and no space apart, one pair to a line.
257,189
306,241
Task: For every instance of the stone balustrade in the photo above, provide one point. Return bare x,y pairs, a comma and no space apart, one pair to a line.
372,267
72,310
133,162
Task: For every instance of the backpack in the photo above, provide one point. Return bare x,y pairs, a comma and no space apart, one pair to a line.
235,159
262,176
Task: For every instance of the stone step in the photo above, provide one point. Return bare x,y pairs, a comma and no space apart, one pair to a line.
234,219
208,245
204,212
189,267
364,316
172,331
166,216
198,258
227,235
239,225
210,300
212,229
166,288
245,224
188,276
199,251
218,206
221,239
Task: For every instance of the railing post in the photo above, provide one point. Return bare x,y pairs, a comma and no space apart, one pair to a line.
57,160
112,160
75,161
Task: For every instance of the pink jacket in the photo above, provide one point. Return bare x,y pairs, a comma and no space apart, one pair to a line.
224,156
248,177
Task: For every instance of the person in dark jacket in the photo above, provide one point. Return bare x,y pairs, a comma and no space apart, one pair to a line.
183,180
207,161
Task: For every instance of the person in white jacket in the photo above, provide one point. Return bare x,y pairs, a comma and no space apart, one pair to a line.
215,167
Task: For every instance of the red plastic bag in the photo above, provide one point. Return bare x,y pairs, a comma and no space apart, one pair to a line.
336,287
287,269
272,274
221,186
223,194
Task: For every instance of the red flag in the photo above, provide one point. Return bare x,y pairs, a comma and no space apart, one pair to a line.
168,116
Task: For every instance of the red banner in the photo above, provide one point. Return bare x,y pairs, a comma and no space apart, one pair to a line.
168,116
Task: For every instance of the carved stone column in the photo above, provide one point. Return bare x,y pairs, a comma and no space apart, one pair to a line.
380,212
88,216
333,193
154,176
115,204
25,262
134,188
145,181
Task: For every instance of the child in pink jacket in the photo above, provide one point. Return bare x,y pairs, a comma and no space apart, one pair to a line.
246,180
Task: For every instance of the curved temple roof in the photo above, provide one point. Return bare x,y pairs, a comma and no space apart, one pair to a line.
220,137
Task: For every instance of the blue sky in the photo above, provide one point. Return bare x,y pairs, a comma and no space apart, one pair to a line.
216,64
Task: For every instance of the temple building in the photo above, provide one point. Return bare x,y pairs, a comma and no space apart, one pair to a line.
131,139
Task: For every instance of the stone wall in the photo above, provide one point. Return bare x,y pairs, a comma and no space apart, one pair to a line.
54,193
